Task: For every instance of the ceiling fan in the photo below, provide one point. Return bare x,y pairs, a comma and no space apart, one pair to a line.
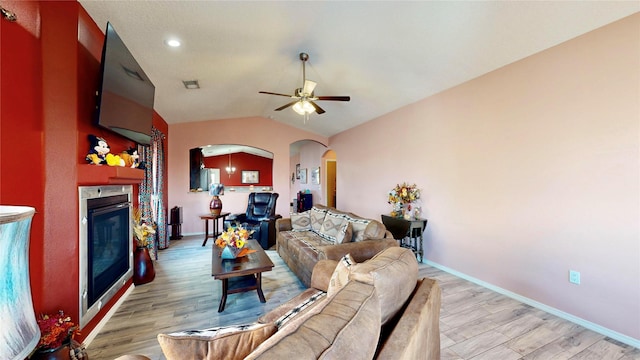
304,103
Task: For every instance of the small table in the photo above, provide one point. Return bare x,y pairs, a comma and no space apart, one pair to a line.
242,274
215,219
416,228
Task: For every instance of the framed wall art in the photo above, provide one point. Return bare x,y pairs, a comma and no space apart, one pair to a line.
250,176
303,176
315,176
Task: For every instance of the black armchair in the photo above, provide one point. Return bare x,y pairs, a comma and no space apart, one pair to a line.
260,217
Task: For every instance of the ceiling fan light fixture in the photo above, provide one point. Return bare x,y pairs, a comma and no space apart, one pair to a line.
303,107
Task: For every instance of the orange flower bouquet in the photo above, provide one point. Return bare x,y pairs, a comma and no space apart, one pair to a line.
233,241
55,330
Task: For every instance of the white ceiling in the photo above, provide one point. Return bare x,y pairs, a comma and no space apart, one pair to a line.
384,54
217,150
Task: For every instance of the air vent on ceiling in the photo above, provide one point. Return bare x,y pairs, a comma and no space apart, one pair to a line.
191,84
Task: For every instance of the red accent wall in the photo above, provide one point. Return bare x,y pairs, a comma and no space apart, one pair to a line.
50,71
241,161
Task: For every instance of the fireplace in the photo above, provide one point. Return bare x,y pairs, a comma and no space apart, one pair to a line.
106,249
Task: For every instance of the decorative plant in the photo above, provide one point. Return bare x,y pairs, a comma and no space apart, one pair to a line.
55,330
234,236
142,230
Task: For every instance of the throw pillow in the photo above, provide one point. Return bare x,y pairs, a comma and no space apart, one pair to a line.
301,221
333,227
345,234
359,225
340,276
366,228
317,218
229,342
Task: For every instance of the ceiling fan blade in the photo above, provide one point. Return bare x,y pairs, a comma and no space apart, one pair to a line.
272,93
308,87
319,110
334,98
286,106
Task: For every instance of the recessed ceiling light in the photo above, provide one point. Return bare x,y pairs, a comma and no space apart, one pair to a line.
173,42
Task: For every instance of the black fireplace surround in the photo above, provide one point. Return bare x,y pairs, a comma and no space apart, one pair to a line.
106,249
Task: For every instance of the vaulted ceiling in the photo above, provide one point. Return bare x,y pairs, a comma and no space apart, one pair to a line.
384,54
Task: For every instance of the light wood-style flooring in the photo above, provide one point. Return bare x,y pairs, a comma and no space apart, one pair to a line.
475,323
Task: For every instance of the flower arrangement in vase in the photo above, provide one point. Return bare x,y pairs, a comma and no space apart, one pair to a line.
401,197
56,331
143,231
233,241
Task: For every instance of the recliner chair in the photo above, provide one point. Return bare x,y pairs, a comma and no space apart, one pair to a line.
260,217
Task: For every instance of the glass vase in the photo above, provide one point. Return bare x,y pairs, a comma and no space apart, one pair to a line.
229,252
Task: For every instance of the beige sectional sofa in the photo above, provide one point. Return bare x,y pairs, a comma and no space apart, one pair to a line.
327,233
378,309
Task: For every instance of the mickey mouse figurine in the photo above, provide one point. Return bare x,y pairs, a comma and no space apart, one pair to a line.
98,151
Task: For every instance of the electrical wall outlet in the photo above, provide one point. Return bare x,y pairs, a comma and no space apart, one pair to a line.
574,277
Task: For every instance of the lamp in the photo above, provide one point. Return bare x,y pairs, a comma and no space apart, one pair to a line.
19,333
303,107
215,206
230,169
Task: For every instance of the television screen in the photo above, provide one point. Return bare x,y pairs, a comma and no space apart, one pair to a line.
125,97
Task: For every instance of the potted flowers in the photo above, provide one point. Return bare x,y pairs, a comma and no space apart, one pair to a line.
401,198
233,241
144,232
56,336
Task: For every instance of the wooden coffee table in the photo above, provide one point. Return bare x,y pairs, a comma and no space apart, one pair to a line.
241,274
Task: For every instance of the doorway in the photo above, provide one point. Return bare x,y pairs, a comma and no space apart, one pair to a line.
331,188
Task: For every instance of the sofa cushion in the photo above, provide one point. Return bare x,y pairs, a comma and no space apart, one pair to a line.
301,221
229,342
340,276
321,274
383,271
317,214
348,327
415,333
280,310
299,308
335,228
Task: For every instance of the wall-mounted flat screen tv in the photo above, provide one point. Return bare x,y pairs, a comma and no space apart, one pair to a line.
125,95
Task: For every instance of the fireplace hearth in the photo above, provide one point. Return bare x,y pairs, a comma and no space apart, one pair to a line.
106,248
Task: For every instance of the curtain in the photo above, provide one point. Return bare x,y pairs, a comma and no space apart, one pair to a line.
152,193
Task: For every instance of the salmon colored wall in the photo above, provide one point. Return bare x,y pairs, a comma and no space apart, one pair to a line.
259,132
241,161
526,172
49,79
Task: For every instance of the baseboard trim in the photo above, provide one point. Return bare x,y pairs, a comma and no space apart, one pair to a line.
192,234
92,335
551,310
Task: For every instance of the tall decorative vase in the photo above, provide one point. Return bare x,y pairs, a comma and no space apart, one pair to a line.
63,352
143,271
215,205
60,353
19,331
